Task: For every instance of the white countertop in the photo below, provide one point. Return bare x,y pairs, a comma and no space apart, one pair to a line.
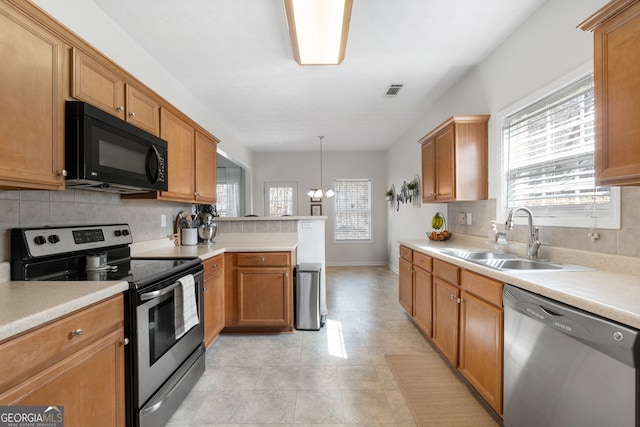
609,294
25,305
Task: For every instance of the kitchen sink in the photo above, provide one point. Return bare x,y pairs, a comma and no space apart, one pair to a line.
478,255
509,262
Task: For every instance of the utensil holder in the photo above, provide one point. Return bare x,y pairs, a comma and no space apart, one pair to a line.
189,236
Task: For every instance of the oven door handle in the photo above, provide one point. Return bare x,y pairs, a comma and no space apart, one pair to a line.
155,294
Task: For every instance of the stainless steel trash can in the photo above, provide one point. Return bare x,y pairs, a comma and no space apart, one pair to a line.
307,297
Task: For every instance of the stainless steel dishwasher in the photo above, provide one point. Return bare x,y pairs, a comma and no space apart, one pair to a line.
566,367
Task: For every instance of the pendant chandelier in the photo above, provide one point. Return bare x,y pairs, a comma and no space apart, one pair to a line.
322,191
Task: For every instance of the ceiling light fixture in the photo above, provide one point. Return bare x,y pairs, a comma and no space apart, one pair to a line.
318,30
322,191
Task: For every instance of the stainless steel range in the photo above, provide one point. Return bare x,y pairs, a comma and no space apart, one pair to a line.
163,307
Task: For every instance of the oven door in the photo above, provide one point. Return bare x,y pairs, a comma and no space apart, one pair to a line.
159,352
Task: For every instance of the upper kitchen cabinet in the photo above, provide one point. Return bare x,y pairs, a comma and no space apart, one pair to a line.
99,85
616,29
33,80
454,160
192,161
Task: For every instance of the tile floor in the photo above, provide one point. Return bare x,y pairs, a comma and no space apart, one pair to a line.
337,375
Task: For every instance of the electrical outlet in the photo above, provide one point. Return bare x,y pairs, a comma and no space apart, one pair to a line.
469,218
462,218
163,220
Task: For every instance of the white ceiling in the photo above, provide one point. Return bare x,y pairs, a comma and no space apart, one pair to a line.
236,56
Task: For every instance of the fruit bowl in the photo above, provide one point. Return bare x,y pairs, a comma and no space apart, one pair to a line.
439,236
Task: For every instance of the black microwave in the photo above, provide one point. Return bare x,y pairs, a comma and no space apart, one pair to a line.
103,152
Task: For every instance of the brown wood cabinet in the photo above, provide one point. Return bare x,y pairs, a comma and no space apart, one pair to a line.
454,160
96,83
191,164
446,307
616,29
405,275
213,298
33,83
423,292
481,336
76,362
258,291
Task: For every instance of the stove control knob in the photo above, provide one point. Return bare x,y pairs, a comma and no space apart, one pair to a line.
54,238
125,232
118,233
39,240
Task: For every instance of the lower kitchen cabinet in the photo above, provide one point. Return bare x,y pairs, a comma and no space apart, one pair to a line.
76,362
405,290
481,336
461,311
259,291
445,318
423,292
213,298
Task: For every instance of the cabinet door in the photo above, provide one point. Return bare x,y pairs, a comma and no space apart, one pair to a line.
405,285
423,301
180,139
616,62
213,298
481,348
206,152
98,85
445,318
142,110
32,82
429,170
89,384
264,296
445,164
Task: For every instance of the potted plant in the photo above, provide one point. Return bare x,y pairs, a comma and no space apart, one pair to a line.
389,195
412,187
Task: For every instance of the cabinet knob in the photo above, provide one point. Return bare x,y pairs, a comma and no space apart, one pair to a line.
62,172
460,300
261,259
196,194
124,341
77,332
215,265
132,114
286,274
120,108
452,296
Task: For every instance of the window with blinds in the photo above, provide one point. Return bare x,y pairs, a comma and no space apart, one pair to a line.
549,156
280,198
352,209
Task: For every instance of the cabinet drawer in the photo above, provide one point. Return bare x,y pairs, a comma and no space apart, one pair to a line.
36,350
258,259
483,287
213,266
406,253
421,260
446,271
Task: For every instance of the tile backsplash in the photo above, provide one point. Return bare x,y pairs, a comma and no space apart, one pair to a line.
625,241
71,207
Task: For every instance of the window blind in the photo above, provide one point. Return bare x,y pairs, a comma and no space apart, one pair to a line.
352,209
550,155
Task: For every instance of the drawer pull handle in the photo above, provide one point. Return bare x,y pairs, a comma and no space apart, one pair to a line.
77,332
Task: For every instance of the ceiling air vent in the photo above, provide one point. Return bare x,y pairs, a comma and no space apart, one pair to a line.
393,89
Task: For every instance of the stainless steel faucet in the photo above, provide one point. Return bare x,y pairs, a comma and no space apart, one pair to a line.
534,243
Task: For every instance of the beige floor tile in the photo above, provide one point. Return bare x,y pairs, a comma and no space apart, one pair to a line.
318,407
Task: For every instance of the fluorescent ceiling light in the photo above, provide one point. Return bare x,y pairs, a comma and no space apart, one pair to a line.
318,30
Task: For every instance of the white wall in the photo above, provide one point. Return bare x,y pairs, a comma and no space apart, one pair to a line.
546,47
94,26
305,169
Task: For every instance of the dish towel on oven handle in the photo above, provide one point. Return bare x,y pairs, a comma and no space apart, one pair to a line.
185,305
